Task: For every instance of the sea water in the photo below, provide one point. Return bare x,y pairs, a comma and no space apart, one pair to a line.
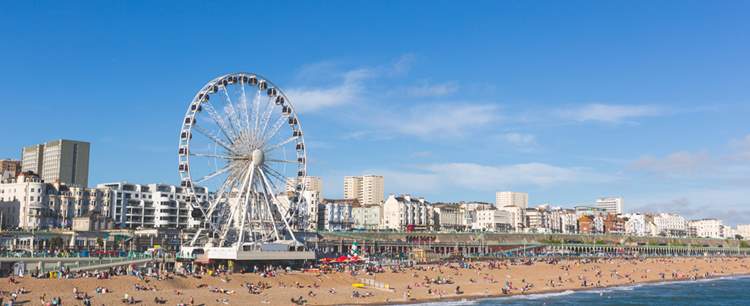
718,291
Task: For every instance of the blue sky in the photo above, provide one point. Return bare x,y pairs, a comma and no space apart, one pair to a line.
565,100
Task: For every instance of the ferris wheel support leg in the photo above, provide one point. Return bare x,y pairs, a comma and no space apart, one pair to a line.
243,216
268,203
286,223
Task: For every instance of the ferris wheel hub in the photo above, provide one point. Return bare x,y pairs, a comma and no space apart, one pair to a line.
257,157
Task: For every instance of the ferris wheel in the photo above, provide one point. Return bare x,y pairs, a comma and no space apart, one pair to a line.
242,140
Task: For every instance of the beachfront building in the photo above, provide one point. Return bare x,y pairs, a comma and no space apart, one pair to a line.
598,224
335,215
517,213
307,209
494,220
154,205
510,198
589,210
635,225
729,232
9,213
41,205
586,224
70,202
744,231
367,189
9,169
405,212
562,220
309,183
367,217
63,161
614,224
611,205
448,217
670,225
706,228
536,220
470,209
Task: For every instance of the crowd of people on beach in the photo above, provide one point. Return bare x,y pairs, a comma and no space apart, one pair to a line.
449,278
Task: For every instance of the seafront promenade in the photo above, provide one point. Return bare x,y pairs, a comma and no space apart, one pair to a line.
491,245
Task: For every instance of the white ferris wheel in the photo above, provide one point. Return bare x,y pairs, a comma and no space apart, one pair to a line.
242,140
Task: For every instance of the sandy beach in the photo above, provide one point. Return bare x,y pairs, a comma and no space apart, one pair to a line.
409,285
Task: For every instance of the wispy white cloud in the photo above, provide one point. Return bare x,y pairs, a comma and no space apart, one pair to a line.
676,164
310,99
488,178
432,90
519,140
439,120
611,113
327,85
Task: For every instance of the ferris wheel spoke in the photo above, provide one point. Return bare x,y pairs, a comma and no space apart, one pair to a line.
215,174
216,202
234,121
214,138
266,117
227,157
256,116
214,115
244,108
282,161
274,130
281,144
275,174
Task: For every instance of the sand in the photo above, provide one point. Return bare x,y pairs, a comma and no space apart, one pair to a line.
408,286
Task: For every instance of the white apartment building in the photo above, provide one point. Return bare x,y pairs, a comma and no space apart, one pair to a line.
562,220
29,194
598,225
636,225
368,189
154,205
9,214
494,220
610,204
367,217
9,169
448,217
41,205
670,225
404,212
536,221
470,212
706,228
510,198
744,231
63,161
310,183
517,213
70,202
729,232
335,215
